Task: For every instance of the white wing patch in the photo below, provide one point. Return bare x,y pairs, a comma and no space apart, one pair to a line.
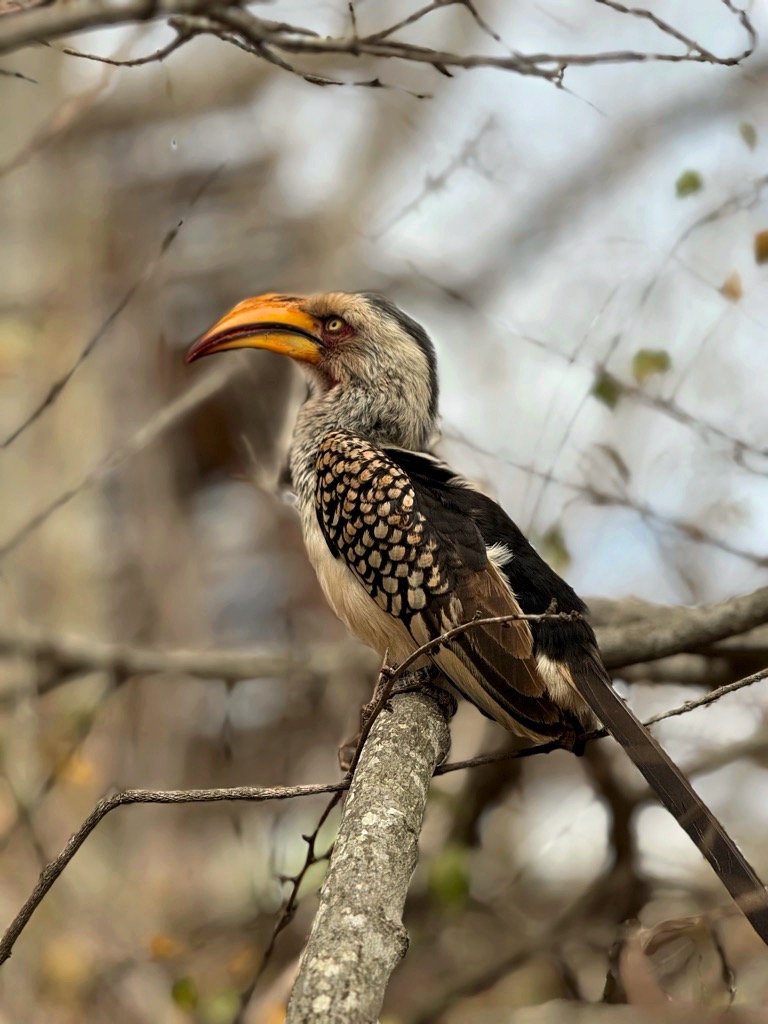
499,554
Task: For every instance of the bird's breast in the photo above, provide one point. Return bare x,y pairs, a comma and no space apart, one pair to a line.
350,601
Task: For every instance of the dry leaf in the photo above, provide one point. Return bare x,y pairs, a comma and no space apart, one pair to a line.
731,287
761,247
163,947
680,960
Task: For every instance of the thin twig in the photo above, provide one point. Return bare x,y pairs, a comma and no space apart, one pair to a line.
709,698
5,73
183,35
599,734
58,19
290,905
692,531
143,796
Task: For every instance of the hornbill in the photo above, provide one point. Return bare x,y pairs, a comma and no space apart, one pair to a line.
406,549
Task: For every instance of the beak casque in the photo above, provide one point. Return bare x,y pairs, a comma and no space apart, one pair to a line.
273,322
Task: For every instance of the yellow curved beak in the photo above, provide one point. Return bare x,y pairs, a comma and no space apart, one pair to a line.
273,322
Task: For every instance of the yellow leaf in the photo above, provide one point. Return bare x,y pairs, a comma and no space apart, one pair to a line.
243,963
66,964
731,287
77,769
17,344
275,1015
163,947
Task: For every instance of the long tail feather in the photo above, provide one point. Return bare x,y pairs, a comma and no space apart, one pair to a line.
679,797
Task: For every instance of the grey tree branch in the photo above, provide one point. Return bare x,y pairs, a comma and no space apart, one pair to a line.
358,938
70,655
682,629
631,632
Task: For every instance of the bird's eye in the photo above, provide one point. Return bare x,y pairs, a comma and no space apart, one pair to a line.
334,324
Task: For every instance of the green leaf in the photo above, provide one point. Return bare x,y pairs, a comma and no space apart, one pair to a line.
688,184
221,1008
748,132
606,389
185,995
650,361
554,549
449,877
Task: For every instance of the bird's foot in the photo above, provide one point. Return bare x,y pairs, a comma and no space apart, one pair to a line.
347,752
573,738
423,680
419,681
577,746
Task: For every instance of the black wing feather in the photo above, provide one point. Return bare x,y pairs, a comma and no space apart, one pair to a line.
535,583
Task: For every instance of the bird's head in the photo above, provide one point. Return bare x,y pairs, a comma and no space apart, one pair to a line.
359,345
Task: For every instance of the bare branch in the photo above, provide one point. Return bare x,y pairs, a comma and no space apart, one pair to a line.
591,492
683,629
74,655
709,698
380,700
221,19
692,46
290,905
183,35
651,632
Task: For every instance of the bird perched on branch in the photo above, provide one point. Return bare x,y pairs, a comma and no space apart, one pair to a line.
406,549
